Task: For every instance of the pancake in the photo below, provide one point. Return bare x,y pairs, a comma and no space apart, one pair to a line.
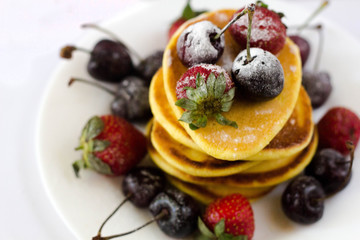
258,122
207,194
294,137
191,161
259,176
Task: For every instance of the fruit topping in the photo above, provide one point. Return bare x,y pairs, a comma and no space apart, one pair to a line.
257,73
230,216
142,184
110,146
269,33
331,169
131,98
318,86
148,66
303,200
181,213
205,91
197,44
261,78
188,13
338,126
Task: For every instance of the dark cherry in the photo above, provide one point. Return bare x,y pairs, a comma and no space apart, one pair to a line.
331,169
131,98
142,184
262,78
110,61
304,47
318,86
148,67
181,213
197,44
303,200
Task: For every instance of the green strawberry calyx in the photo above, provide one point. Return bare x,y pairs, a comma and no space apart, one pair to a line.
218,234
89,145
189,13
207,100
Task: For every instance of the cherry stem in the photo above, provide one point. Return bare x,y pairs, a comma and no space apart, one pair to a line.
320,47
66,52
116,209
314,14
95,84
162,214
251,10
113,36
239,15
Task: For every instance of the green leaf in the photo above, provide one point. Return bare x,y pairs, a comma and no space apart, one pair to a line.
93,128
204,230
210,84
225,107
188,13
201,121
199,80
223,121
98,165
193,127
100,145
188,116
77,166
262,4
227,97
186,104
219,228
220,85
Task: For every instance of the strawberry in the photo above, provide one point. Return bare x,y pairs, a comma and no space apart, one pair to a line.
187,14
267,32
231,216
205,91
110,146
338,126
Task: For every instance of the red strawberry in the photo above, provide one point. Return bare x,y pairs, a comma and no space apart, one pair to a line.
110,145
267,31
236,212
205,90
336,127
187,14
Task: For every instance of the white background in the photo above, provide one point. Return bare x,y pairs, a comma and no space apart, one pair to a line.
31,34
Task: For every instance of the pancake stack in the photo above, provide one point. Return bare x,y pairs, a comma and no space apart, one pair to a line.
274,140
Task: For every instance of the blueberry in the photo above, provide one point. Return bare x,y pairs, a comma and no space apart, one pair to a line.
303,200
143,184
132,99
318,86
304,47
331,169
197,44
262,78
182,213
148,67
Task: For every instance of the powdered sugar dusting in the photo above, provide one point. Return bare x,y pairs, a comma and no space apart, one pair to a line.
222,17
293,68
292,121
264,112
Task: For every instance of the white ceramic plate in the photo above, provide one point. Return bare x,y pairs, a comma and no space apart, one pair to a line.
84,203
